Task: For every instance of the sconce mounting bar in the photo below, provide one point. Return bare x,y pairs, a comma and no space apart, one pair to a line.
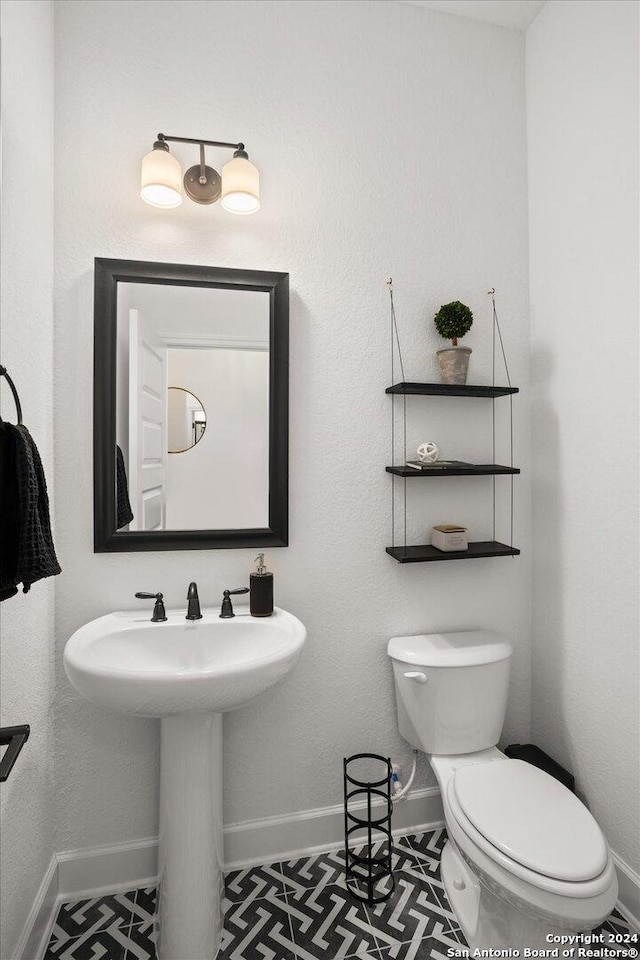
207,143
161,176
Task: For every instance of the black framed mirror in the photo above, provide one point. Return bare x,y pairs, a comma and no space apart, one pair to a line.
191,407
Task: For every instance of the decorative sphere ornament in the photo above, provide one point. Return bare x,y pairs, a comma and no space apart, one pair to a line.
428,452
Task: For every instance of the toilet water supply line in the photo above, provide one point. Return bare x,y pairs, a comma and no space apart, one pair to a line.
400,792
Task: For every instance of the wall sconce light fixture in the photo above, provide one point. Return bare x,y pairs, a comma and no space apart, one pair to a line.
238,187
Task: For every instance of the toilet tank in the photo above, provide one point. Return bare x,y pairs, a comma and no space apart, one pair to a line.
451,689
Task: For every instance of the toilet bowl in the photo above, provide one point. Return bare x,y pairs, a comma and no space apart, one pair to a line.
515,880
525,859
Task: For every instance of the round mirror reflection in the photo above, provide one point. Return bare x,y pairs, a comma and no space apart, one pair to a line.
187,420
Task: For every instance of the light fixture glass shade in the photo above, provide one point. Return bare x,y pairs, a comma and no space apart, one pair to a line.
240,186
161,181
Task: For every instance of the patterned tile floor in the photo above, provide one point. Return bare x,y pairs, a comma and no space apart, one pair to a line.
295,910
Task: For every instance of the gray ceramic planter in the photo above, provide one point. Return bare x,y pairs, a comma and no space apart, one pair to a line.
454,364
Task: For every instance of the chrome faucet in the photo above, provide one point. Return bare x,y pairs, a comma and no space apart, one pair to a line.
193,603
226,611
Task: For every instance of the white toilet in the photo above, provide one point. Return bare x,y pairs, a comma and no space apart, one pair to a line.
525,858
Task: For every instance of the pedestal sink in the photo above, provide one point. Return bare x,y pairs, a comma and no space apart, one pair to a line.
187,673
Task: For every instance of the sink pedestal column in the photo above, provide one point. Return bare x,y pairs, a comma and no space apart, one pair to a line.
191,837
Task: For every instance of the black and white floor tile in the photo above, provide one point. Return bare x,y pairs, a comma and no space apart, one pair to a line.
296,910
116,927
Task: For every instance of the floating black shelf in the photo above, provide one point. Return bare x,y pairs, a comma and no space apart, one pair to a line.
450,390
478,469
426,553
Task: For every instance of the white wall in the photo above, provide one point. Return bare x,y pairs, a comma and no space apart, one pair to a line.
391,141
179,428
196,312
582,79
26,302
223,481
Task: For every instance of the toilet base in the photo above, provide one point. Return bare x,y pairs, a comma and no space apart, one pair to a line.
487,920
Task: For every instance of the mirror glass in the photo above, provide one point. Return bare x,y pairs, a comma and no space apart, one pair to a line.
187,419
192,378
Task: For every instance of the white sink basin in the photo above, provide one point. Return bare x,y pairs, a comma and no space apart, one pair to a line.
126,663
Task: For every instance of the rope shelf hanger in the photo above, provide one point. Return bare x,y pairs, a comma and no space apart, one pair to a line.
496,330
395,344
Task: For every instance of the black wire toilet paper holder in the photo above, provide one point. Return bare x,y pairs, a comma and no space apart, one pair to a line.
369,878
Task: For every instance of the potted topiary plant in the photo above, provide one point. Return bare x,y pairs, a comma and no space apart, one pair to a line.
452,321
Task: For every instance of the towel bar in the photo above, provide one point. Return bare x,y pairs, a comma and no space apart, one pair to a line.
14,739
12,387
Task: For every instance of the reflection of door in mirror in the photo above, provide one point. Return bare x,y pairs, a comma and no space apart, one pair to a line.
147,424
193,412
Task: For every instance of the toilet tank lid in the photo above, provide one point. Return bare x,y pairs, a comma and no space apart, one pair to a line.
469,648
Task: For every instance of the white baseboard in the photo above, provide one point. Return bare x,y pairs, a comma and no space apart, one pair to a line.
121,866
34,936
77,873
310,831
628,891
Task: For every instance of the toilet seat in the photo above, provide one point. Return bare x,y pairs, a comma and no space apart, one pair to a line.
561,886
532,818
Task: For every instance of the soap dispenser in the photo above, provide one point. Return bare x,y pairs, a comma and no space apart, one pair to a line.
261,590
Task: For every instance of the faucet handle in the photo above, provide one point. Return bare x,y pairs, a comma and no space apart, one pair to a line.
226,611
159,613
